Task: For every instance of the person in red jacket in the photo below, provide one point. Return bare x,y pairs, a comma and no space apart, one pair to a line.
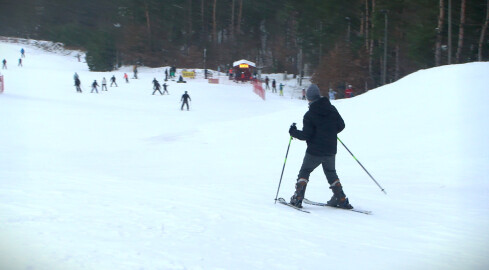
349,92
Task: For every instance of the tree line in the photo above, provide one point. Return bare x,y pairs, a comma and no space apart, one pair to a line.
365,43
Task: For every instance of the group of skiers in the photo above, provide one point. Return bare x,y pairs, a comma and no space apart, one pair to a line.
185,97
332,93
347,94
94,84
274,86
156,87
173,71
22,55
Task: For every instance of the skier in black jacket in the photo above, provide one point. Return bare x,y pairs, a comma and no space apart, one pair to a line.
112,81
156,87
94,86
321,124
77,84
164,88
185,99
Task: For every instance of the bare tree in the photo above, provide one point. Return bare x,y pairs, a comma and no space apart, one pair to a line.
397,67
371,46
367,19
214,23
189,19
461,31
148,24
441,18
204,26
240,14
449,32
231,30
483,32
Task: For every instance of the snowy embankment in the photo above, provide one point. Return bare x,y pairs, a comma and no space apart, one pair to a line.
125,180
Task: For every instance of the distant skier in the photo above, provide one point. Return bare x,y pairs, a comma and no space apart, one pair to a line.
112,81
332,94
166,75
185,99
77,84
22,53
281,87
274,86
20,62
267,80
126,77
349,91
135,70
104,84
303,93
156,87
165,88
4,62
94,86
321,124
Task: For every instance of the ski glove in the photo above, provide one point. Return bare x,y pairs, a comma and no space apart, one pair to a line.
292,129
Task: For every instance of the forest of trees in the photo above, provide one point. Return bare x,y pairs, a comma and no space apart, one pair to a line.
365,43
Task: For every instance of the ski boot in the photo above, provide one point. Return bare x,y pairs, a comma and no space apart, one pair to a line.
339,198
300,190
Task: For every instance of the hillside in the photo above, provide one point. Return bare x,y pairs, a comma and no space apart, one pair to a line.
125,180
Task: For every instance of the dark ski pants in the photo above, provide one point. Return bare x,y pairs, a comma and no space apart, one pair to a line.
157,90
185,103
312,162
112,83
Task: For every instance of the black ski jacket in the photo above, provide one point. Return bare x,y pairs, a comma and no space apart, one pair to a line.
321,125
186,98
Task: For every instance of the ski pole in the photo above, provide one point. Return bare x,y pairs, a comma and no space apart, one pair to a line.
382,189
279,183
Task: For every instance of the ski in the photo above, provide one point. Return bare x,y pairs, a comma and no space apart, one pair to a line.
323,204
284,202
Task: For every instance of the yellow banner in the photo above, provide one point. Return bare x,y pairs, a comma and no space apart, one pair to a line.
188,74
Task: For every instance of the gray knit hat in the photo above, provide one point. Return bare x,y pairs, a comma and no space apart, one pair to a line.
312,93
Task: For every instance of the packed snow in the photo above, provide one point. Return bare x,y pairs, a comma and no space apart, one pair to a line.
124,179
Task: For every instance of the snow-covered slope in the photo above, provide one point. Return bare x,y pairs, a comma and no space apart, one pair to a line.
125,180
